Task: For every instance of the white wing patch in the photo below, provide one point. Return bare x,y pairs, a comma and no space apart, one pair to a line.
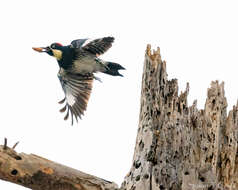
70,98
87,42
77,89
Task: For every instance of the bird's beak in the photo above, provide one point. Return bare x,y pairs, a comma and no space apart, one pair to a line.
41,49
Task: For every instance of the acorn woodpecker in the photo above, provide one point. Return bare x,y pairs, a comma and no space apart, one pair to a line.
78,62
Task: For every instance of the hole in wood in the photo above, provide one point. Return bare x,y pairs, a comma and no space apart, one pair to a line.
137,164
202,179
209,138
175,154
211,157
213,101
146,176
184,107
210,188
158,112
18,158
178,105
161,187
219,164
186,173
156,180
141,145
138,178
14,172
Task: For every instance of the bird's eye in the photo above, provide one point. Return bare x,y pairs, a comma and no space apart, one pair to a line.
53,46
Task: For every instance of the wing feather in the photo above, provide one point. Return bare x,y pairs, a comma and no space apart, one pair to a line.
77,89
96,47
78,43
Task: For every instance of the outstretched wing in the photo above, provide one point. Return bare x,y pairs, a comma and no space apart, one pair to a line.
96,47
77,89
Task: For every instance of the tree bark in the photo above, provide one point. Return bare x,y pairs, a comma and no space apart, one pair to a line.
38,173
178,147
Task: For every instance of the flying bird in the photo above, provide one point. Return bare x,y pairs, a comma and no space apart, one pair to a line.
78,62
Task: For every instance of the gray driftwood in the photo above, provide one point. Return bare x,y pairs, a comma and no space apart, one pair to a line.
178,147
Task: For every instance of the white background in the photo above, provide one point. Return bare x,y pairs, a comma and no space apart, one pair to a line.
198,39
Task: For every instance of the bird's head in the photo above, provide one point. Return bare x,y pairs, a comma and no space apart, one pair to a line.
54,50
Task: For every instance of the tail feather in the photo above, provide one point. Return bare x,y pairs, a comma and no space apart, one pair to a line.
113,69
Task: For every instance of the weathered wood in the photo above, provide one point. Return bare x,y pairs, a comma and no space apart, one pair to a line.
180,147
38,173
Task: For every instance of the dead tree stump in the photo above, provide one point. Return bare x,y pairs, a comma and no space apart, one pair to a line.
180,147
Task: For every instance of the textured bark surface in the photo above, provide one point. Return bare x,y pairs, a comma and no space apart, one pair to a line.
180,147
38,173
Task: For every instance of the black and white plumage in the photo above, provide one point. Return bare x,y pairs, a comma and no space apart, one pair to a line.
78,62
96,47
77,89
